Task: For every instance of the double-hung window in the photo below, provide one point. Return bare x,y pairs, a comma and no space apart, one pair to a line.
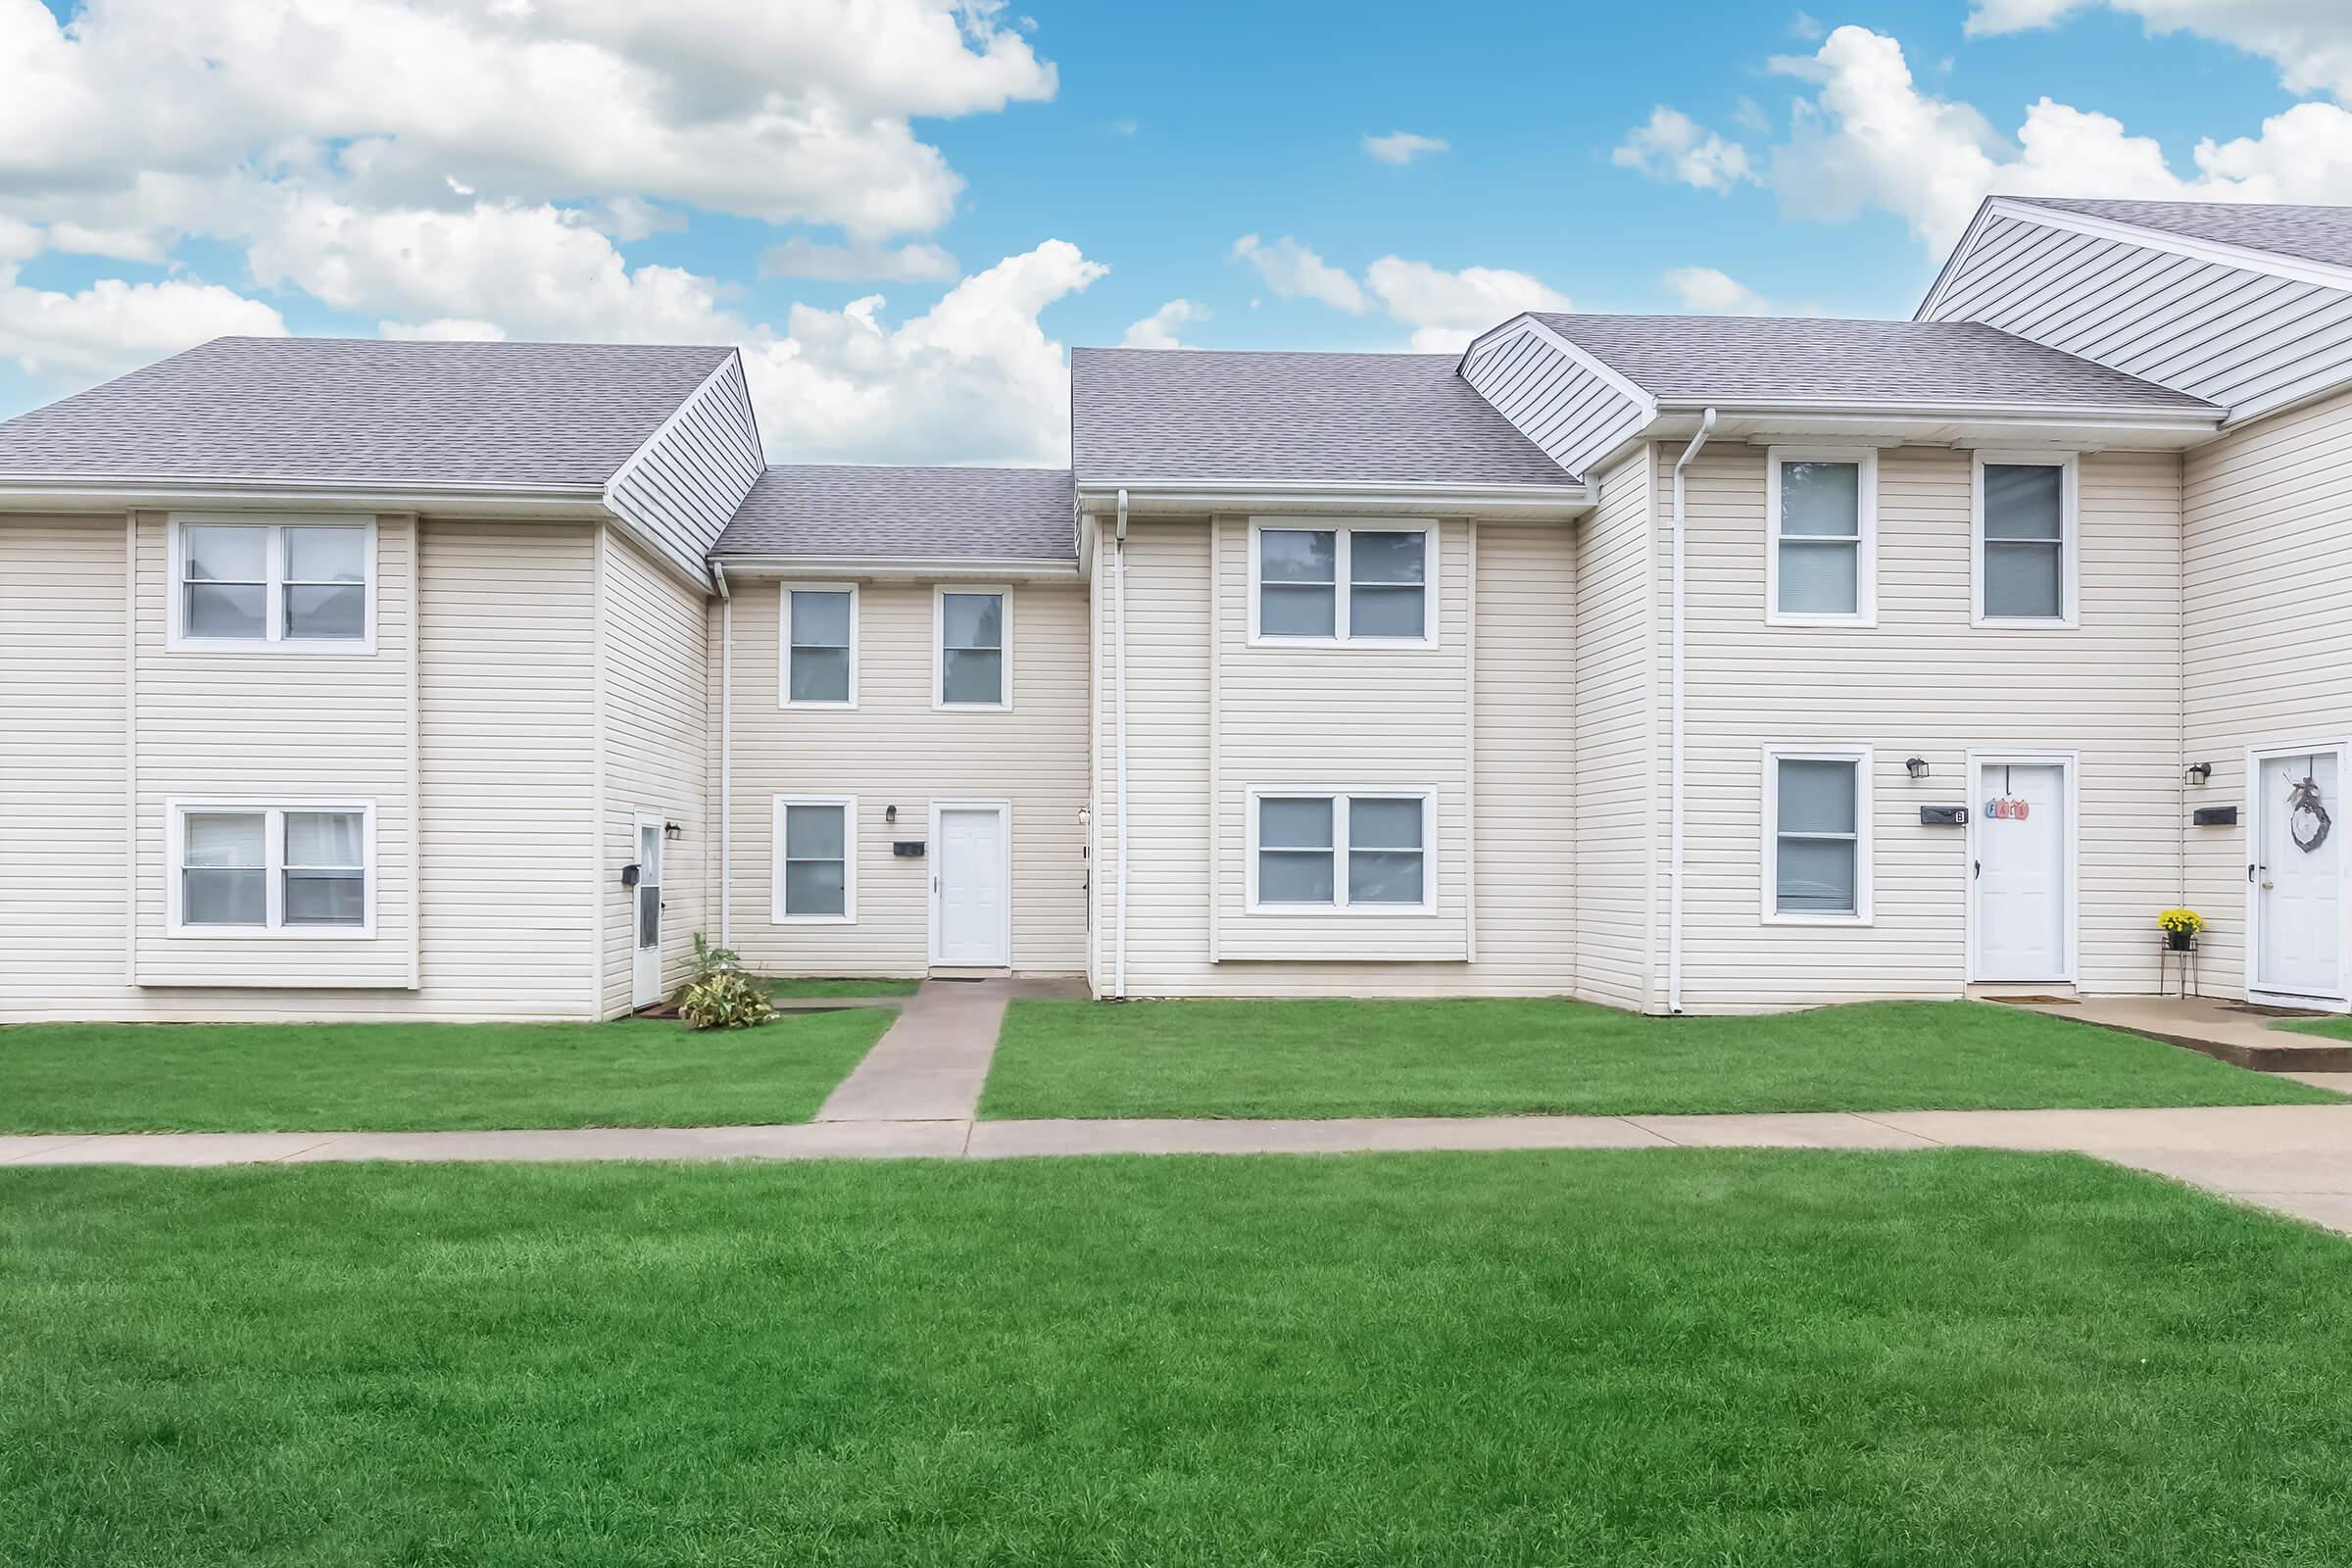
297,868
1817,835
1821,507
1353,583
971,642
1327,850
2025,540
817,860
291,586
821,645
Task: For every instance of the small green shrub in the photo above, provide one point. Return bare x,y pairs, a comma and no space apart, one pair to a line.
718,995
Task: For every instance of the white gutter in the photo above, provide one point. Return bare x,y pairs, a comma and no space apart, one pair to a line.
1118,680
894,567
1674,786
726,754
1193,495
103,494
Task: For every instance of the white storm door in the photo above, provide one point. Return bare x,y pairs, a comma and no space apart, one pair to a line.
2021,871
2297,902
970,912
645,973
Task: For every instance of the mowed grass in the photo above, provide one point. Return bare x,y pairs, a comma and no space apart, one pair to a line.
1497,1057
812,990
399,1077
1655,1357
2330,1028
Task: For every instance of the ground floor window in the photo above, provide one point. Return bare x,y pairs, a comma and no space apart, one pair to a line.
1317,849
816,865
1816,834
284,867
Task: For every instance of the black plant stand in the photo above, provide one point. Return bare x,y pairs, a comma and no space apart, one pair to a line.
2165,950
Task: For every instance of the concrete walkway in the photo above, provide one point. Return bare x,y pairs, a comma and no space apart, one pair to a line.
2226,1030
2296,1159
931,1063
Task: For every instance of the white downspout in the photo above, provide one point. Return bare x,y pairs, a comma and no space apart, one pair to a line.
1673,853
1118,680
726,755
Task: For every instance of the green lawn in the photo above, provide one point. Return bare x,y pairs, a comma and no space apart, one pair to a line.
396,1077
1462,1059
1655,1357
2331,1028
811,989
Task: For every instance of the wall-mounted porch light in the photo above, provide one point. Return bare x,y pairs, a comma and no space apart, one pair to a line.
2200,772
889,813
1916,766
673,830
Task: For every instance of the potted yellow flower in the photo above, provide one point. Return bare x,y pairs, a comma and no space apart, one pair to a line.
2179,929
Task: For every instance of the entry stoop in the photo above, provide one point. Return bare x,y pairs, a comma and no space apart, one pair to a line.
2229,1031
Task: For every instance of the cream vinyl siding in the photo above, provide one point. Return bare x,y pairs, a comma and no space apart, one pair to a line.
894,749
654,635
1486,725
1619,776
1923,682
1557,401
2268,629
679,490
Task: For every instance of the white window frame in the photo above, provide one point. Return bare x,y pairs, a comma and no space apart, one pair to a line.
274,598
784,643
2070,533
1342,561
939,648
1339,795
1866,524
778,914
1861,757
274,810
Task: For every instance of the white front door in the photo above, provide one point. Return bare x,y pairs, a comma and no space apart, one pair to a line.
2021,913
645,975
2298,905
971,912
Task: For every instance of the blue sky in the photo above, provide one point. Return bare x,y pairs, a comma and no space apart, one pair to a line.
428,169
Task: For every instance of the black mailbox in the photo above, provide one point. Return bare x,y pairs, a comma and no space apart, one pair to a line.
629,874
908,848
2214,816
1943,817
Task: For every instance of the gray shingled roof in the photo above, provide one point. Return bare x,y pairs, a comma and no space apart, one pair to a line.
363,411
1225,417
2311,233
1765,359
835,511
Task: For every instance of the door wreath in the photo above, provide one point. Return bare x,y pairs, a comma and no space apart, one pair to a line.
2307,820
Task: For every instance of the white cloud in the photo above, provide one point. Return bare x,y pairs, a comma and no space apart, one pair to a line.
1158,329
1293,272
801,257
974,379
1672,146
2309,41
1446,310
443,329
1403,146
113,326
1710,292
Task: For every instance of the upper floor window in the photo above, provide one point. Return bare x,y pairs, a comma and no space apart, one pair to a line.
299,867
1345,583
821,645
295,586
1821,510
1331,850
1816,834
2025,540
972,642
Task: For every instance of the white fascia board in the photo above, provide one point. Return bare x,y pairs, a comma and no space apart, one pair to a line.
2136,418
1195,496
106,493
995,568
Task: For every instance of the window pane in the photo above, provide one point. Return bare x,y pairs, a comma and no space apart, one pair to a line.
2024,579
223,838
323,839
972,675
820,674
1817,797
821,619
1384,824
815,887
1820,580
1816,874
338,610
1384,613
1287,823
1821,498
1295,612
222,897
1296,555
974,620
326,898
1384,877
217,610
813,832
1294,877
227,553
1386,556
2024,503
326,555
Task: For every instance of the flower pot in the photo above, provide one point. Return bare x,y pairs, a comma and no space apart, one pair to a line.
2180,941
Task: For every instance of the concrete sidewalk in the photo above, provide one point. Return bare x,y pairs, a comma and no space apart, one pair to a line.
2296,1159
931,1064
